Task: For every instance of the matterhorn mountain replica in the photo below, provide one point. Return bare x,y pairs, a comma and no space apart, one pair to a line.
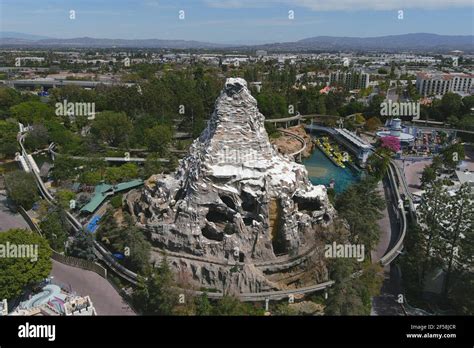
237,216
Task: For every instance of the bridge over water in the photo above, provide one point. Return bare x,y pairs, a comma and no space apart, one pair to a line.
350,140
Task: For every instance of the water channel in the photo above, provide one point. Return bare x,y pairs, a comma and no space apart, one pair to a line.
321,171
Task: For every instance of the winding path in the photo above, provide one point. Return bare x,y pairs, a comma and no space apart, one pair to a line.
106,300
130,276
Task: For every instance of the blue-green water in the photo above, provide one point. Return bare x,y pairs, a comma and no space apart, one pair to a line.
321,170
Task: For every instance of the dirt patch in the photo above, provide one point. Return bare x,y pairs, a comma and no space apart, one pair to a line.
287,144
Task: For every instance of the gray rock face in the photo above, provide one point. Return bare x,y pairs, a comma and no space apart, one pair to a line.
234,200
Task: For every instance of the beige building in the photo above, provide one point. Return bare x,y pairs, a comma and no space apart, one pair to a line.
350,80
432,84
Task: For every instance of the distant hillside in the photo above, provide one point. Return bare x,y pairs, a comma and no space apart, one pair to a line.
84,42
21,36
412,42
420,42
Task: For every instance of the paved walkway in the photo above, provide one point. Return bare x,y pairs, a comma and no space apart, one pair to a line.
386,302
413,171
387,224
105,298
8,219
384,224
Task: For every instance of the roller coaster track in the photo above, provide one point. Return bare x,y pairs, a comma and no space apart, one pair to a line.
107,159
298,116
99,251
396,250
297,137
132,277
265,266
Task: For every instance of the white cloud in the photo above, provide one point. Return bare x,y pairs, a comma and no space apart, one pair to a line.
343,5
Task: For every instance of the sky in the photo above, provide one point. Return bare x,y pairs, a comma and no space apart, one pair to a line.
235,21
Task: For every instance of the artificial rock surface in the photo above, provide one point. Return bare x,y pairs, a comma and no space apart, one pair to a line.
234,201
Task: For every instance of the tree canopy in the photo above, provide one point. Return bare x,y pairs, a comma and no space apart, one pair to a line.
21,188
19,272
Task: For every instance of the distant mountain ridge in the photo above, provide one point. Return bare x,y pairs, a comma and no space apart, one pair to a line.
411,42
408,41
86,42
22,36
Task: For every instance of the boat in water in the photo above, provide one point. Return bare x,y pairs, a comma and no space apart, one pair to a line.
332,153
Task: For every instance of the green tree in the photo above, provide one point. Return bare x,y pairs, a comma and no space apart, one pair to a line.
82,246
37,138
114,128
64,197
139,249
203,306
430,211
374,106
450,104
54,228
446,223
32,112
19,272
462,286
8,98
457,234
156,295
372,124
158,139
361,205
8,142
125,172
378,163
116,201
21,188
343,296
453,154
91,178
229,305
414,262
152,166
428,175
64,168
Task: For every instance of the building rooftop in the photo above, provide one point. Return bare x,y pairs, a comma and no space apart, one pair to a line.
102,191
353,138
442,76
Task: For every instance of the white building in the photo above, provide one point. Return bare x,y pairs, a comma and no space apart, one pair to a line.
351,80
31,59
439,84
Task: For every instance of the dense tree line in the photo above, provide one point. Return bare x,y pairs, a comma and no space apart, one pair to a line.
127,240
362,206
161,294
451,108
443,240
356,282
448,159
